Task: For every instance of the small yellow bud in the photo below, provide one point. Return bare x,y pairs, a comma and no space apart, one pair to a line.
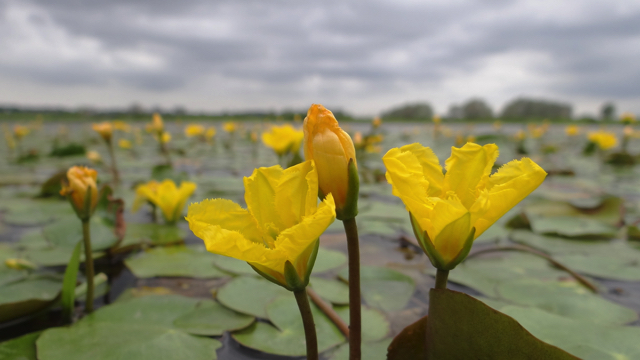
81,181
105,129
94,156
332,150
156,123
376,122
20,264
125,144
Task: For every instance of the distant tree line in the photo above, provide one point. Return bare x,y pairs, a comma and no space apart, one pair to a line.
477,109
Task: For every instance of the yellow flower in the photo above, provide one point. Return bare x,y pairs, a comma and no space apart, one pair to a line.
471,138
436,119
121,125
20,131
520,135
283,139
156,124
166,196
627,118
449,211
357,140
210,133
194,130
572,130
254,137
333,152
125,144
94,156
105,129
164,138
376,122
82,186
20,264
282,222
604,139
230,127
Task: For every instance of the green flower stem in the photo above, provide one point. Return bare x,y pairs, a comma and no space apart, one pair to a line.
88,263
114,166
309,326
355,316
441,279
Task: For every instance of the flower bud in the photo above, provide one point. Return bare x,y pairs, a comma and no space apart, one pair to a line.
82,190
105,129
335,159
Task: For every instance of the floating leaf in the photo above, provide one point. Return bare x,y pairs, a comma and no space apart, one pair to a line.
212,319
67,233
22,348
27,296
233,265
374,325
336,292
287,337
174,261
571,226
328,260
581,338
370,351
234,295
155,234
383,288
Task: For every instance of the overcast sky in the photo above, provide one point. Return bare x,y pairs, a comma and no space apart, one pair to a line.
360,56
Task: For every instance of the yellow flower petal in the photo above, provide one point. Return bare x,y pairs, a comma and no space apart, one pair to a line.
467,167
405,174
431,168
260,196
296,194
505,189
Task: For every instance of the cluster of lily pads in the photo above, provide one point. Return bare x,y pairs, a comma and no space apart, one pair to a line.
564,264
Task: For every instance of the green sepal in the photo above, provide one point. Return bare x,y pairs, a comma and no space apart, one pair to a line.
292,278
434,256
350,208
311,261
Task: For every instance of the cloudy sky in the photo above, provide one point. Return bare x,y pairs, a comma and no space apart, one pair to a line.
360,56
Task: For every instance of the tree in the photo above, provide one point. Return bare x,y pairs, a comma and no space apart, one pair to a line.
414,111
608,111
476,109
530,108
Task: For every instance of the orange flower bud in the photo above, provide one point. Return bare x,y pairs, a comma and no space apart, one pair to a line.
335,158
105,129
82,182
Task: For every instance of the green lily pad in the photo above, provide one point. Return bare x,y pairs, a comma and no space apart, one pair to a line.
152,310
212,319
607,266
21,348
374,325
328,260
579,337
383,288
370,351
558,245
233,265
68,232
567,298
334,291
287,337
572,227
104,340
234,295
27,296
154,234
174,261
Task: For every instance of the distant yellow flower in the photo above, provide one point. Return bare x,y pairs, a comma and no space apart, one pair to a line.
449,211
520,135
282,222
497,125
165,137
210,133
194,130
121,126
230,127
166,196
283,139
357,140
105,129
94,156
436,119
254,137
81,184
627,118
125,144
377,121
604,139
572,130
156,123
471,139
332,150
20,264
20,131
